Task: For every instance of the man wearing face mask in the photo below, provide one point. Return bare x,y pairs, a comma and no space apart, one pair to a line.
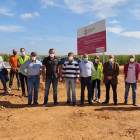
86,71
131,73
33,76
21,60
111,72
14,69
71,74
52,64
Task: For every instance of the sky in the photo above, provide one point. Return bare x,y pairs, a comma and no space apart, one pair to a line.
38,25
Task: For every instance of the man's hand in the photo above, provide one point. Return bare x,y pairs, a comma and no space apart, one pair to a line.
44,79
28,76
109,77
63,80
77,80
60,79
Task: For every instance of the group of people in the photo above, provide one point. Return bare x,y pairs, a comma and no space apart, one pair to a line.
27,70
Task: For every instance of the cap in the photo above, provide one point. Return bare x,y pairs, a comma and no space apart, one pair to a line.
33,53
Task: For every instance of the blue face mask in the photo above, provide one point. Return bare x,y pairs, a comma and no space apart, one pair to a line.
22,53
96,60
85,59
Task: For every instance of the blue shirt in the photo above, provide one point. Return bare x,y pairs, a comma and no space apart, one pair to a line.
33,68
1,63
86,69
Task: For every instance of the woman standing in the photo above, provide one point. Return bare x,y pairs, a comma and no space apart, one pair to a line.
97,76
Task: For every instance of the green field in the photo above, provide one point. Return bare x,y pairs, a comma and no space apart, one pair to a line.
121,59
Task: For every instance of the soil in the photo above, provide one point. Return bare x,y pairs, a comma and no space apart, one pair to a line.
107,122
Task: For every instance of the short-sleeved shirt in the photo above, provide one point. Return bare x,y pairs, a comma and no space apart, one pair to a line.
51,67
13,60
131,74
1,63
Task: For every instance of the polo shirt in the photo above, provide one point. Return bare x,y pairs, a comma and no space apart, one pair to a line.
51,67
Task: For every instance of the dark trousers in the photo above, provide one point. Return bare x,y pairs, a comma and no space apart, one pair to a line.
98,86
2,77
114,88
12,73
23,79
86,81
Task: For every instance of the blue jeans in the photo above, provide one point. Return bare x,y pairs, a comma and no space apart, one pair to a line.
2,77
134,88
70,82
54,82
33,81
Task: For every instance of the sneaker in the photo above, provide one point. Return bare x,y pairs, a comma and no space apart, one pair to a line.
45,104
7,91
125,103
98,100
67,103
56,104
19,88
135,104
9,88
74,104
105,102
35,103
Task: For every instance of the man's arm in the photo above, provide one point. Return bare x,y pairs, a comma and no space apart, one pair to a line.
43,73
92,68
104,71
60,73
18,64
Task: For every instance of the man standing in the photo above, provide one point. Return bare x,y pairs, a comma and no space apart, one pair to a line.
111,72
14,69
51,63
2,77
33,76
86,69
21,60
131,73
71,74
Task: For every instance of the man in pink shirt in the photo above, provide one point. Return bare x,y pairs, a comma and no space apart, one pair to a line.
131,72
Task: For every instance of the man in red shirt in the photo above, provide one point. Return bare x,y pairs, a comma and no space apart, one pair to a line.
131,73
14,69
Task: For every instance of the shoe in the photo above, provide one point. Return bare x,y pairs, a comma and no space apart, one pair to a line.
9,88
56,104
7,91
23,95
125,103
29,104
95,99
135,104
74,104
105,102
19,88
35,103
45,104
67,103
90,103
82,104
98,100
115,103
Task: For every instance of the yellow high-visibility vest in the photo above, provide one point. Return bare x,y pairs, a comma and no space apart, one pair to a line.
21,61
97,74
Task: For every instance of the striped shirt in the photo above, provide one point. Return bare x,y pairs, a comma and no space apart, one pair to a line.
71,70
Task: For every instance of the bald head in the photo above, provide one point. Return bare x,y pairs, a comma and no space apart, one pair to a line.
14,51
85,55
132,56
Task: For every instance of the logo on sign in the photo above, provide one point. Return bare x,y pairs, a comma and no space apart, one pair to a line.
101,49
86,31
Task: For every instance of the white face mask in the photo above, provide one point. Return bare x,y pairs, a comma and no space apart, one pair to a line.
33,58
22,53
131,59
52,55
70,58
111,60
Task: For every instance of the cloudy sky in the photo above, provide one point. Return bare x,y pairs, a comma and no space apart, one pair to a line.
39,25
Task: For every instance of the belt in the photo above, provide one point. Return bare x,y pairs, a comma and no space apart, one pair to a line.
34,75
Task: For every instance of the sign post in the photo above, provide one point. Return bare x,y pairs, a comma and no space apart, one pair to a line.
92,38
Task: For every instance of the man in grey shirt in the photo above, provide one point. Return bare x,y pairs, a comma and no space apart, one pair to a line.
33,76
86,69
